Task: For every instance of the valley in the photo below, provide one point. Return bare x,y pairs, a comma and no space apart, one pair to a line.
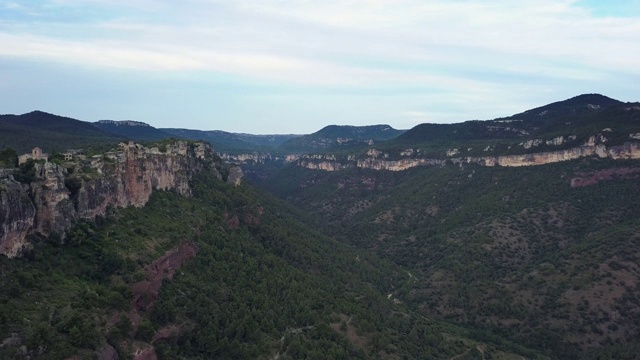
510,238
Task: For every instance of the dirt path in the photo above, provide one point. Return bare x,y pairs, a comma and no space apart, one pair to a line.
291,331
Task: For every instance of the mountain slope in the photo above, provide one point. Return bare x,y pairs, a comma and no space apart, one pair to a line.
545,255
578,105
228,273
529,253
50,132
232,142
335,137
570,115
132,130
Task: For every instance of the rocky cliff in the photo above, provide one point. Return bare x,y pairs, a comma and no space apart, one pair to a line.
255,157
55,196
17,215
630,150
625,151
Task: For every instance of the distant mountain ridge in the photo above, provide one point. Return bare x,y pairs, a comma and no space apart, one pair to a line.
576,105
341,137
230,142
58,133
50,132
133,130
531,122
583,115
123,123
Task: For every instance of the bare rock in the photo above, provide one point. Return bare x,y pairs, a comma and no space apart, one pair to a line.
235,175
13,340
108,353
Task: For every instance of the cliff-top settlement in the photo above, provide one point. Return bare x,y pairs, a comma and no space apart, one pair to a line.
53,196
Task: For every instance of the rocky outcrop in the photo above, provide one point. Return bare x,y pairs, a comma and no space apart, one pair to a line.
257,158
17,216
55,199
324,165
593,147
54,209
557,141
108,352
453,152
625,151
235,175
146,354
396,165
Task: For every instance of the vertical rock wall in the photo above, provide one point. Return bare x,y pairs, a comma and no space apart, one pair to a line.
127,177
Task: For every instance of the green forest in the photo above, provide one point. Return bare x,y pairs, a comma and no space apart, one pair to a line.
518,252
262,284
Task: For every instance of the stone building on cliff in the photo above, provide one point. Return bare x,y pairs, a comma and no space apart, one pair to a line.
36,154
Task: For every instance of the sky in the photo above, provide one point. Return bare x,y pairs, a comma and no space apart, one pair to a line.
281,66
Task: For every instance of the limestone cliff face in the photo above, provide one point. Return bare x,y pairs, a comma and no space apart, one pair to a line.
625,151
54,208
324,165
55,199
257,158
396,165
17,215
593,147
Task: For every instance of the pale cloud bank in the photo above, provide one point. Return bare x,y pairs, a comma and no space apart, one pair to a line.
466,49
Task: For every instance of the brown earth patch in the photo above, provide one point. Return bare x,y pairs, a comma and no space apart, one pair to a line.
146,291
251,217
349,330
594,177
165,333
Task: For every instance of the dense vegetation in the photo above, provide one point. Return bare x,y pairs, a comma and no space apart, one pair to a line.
518,251
582,116
131,130
232,142
262,284
50,133
8,158
55,133
577,105
340,138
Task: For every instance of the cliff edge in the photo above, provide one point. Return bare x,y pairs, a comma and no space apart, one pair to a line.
46,198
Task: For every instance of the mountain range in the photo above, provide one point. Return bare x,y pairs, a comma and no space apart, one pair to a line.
510,238
580,115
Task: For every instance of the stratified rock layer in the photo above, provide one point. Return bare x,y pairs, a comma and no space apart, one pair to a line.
625,151
123,178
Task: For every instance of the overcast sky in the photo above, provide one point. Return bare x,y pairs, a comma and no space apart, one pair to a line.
280,66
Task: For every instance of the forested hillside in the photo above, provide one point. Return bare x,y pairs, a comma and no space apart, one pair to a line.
227,273
50,132
340,138
131,130
546,255
232,142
